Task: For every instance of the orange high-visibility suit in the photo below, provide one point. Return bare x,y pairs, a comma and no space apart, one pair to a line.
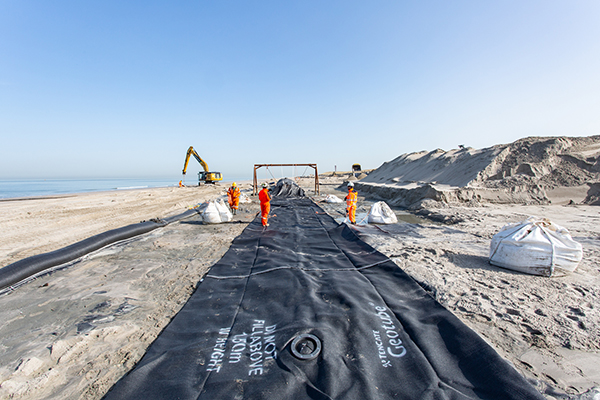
265,205
233,196
351,201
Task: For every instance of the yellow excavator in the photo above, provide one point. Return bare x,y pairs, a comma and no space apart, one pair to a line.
203,176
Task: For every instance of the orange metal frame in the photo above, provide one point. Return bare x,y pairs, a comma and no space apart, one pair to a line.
314,166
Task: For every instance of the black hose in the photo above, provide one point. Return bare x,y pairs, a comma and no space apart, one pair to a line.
23,269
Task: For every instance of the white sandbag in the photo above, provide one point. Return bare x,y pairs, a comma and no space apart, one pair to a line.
211,214
381,213
226,215
333,199
535,246
244,198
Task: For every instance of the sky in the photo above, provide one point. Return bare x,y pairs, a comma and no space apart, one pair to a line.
113,89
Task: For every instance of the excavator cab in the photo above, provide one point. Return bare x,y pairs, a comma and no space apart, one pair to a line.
209,177
203,176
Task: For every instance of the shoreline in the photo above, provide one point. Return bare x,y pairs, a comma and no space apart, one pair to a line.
50,196
74,192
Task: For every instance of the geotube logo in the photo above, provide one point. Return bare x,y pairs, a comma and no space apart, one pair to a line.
387,338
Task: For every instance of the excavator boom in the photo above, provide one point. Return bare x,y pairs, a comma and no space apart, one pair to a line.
189,153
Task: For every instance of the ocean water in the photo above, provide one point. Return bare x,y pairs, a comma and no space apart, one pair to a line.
48,187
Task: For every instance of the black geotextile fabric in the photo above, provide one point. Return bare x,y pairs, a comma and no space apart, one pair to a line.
381,336
287,188
24,269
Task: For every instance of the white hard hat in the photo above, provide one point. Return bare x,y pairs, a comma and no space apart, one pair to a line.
350,184
264,184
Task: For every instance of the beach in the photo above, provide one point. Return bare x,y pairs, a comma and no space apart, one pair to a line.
39,225
74,332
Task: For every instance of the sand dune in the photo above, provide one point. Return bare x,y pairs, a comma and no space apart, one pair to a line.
536,170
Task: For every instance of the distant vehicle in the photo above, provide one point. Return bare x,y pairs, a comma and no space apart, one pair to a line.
203,176
356,169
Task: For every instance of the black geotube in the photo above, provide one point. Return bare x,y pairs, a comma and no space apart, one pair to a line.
26,268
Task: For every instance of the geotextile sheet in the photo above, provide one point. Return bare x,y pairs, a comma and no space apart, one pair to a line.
306,310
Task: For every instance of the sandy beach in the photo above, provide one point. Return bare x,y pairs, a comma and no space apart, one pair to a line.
74,332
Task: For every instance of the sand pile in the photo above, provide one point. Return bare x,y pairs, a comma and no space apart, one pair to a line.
534,170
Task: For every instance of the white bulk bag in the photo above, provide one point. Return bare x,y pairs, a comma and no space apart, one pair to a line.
226,215
381,213
535,246
244,198
333,199
211,214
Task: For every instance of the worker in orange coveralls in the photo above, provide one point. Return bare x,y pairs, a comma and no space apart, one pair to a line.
265,203
233,196
351,201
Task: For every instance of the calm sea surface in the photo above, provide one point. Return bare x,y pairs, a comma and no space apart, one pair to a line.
46,187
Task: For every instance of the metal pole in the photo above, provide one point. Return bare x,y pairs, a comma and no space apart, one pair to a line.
255,181
317,188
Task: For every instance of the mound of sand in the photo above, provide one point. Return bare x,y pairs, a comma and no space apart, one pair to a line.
534,170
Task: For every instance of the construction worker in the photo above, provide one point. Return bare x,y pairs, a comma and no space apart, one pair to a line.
233,197
265,203
351,201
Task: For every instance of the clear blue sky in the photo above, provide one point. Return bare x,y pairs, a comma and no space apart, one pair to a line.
108,89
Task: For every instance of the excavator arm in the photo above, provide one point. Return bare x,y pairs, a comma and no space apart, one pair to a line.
191,152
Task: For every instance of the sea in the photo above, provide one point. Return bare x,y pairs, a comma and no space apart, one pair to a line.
49,187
